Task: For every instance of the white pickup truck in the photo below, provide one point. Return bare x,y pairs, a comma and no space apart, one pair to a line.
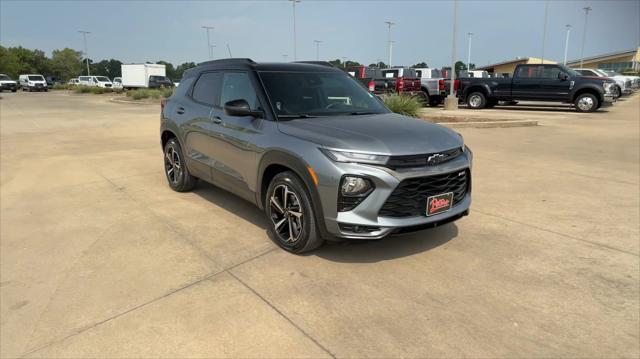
430,84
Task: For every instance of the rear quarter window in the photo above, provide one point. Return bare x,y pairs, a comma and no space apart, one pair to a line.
207,88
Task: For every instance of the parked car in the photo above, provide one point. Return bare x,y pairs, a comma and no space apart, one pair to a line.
474,74
95,81
156,81
53,80
430,84
73,81
138,75
372,79
117,82
6,83
323,157
554,83
32,82
635,80
623,85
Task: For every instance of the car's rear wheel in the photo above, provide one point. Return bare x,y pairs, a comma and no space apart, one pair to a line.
586,102
290,217
175,167
476,100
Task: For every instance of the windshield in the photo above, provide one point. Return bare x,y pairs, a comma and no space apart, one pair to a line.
318,94
36,78
5,78
103,79
611,73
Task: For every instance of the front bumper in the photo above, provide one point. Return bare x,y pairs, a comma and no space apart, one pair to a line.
8,86
608,99
365,222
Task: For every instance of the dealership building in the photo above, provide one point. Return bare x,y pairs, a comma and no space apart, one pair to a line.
617,61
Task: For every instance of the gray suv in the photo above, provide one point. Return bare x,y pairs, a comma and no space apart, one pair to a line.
306,143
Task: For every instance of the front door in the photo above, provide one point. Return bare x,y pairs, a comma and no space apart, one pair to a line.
236,146
552,85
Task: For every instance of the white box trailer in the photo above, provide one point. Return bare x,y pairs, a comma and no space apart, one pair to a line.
137,75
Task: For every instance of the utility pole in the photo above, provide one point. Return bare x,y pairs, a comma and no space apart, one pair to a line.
344,61
584,32
544,28
211,50
86,51
469,52
208,28
229,49
451,102
317,49
295,54
389,42
566,43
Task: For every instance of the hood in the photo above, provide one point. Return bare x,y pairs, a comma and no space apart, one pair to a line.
387,133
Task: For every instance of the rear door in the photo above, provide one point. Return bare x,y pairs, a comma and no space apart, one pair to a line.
525,84
198,126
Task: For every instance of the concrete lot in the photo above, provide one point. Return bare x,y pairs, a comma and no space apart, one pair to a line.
99,258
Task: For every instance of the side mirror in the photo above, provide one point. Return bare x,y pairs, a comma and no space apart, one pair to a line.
563,76
240,108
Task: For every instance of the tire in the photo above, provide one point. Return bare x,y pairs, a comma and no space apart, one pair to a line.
586,102
14,90
423,97
292,226
175,167
476,100
618,92
434,102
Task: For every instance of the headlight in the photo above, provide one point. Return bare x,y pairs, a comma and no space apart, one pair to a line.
464,148
607,86
356,157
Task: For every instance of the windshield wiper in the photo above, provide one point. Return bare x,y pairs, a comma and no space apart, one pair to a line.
299,115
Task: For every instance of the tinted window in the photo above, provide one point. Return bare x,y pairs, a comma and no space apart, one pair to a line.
236,86
4,78
527,71
206,88
36,78
419,73
390,73
550,72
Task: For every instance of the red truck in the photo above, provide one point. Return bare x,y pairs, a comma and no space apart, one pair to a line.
399,80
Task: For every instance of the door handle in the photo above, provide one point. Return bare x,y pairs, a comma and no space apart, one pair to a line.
216,119
180,110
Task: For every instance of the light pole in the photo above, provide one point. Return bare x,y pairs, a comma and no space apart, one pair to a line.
469,52
344,61
229,49
566,43
295,54
389,42
451,102
544,28
86,51
211,50
584,32
208,28
317,49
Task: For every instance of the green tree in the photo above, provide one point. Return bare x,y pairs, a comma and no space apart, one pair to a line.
9,62
169,69
420,64
110,68
460,66
380,65
66,63
18,60
182,68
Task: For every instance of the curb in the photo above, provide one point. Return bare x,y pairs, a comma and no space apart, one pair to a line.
132,102
490,124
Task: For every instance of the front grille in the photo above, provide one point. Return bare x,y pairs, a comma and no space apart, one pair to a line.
422,160
409,199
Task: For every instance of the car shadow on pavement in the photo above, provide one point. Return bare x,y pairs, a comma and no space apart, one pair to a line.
542,108
231,203
390,247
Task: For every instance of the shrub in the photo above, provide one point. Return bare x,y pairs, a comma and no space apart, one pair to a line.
60,87
156,94
82,89
403,104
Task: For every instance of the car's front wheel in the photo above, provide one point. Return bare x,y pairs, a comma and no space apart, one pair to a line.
175,167
290,217
586,103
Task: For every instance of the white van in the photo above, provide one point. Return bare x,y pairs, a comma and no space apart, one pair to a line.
32,82
99,81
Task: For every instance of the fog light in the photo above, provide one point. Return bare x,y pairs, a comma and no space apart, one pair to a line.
353,186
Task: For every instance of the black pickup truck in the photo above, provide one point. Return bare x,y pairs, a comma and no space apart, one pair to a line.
553,83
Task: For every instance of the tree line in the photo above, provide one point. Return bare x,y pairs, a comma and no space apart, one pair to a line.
67,64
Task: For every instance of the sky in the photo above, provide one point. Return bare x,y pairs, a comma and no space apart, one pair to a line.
140,31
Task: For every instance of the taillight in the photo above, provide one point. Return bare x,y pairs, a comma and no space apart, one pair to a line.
399,84
456,85
372,86
441,85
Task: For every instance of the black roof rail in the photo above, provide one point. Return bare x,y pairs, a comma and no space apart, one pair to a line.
229,61
321,63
